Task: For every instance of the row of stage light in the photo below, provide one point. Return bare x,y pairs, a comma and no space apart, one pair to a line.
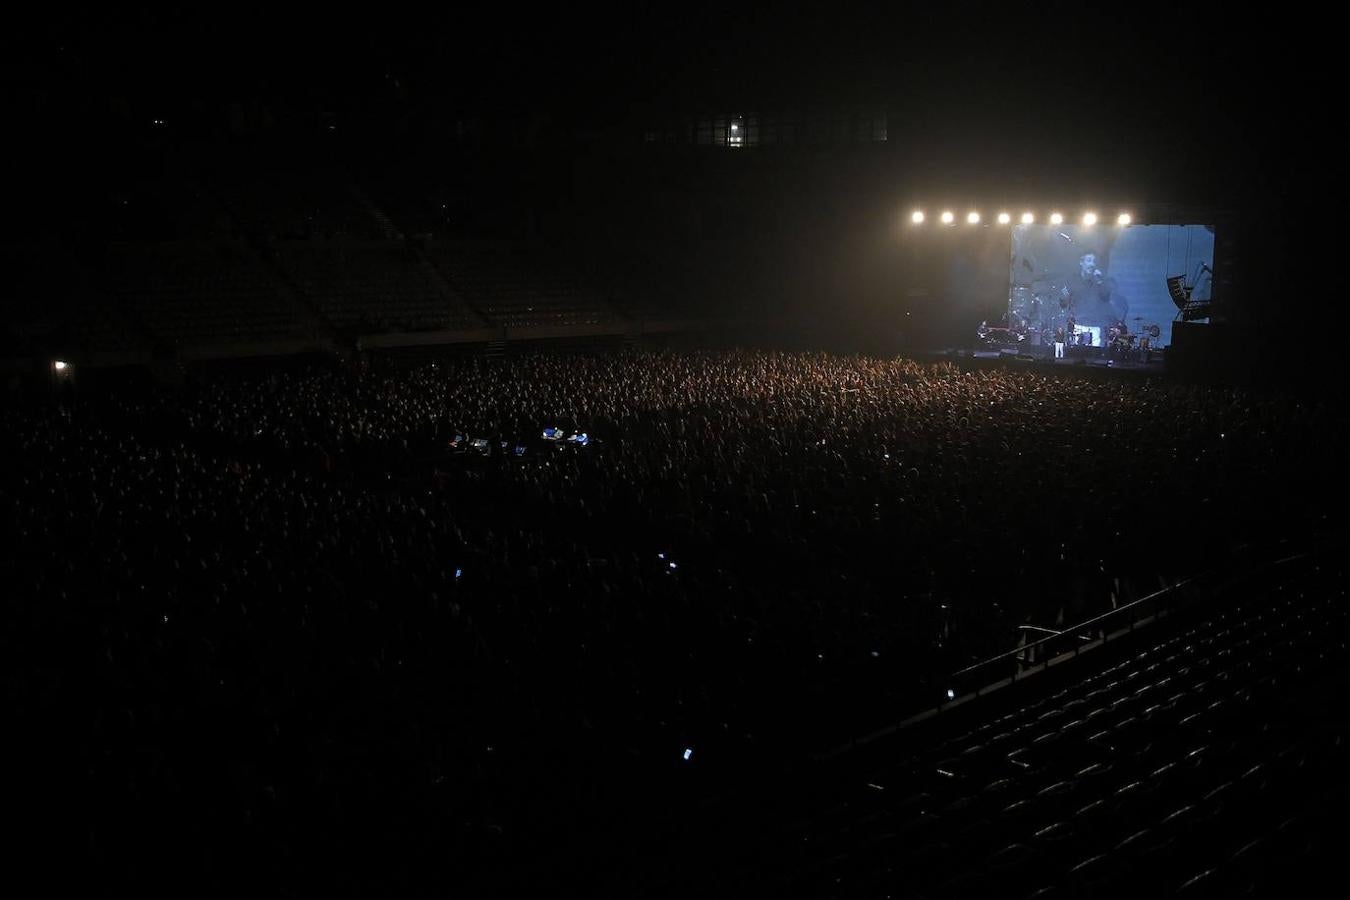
973,218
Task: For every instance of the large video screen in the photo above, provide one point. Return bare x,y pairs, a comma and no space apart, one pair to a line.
1087,285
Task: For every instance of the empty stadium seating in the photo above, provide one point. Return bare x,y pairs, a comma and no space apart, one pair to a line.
199,293
1170,769
203,258
310,205
51,298
373,286
516,286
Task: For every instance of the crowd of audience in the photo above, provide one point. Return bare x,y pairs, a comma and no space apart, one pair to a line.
304,613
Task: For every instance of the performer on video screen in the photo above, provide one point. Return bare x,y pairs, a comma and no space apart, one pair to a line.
1095,292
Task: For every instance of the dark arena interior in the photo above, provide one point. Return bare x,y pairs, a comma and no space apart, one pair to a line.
678,454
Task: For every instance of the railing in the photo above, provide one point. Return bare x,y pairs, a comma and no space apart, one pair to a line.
1069,642
1062,645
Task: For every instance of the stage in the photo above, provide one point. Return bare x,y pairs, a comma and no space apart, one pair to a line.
1056,294
1075,358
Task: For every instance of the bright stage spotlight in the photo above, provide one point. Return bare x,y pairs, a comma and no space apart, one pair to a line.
948,218
1028,218
1004,218
917,217
1123,219
973,218
1056,219
1090,218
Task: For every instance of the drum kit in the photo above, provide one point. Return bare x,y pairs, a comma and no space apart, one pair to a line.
1121,341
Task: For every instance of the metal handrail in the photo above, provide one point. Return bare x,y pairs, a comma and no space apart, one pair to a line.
1095,624
1085,625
